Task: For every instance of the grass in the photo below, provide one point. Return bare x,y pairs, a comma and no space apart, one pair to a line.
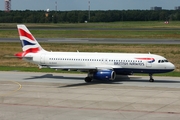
121,24
104,30
160,34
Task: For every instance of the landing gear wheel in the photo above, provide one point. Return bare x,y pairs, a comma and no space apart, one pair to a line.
88,79
151,78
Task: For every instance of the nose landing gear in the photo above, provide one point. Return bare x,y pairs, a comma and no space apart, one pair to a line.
151,78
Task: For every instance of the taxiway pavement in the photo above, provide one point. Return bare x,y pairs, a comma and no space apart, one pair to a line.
44,96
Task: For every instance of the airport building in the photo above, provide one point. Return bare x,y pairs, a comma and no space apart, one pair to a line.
177,8
156,8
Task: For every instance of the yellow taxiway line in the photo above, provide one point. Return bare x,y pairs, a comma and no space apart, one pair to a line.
12,92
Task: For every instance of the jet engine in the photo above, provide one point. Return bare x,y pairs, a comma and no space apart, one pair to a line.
103,75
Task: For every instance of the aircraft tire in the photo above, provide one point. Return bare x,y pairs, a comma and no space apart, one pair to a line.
88,79
151,80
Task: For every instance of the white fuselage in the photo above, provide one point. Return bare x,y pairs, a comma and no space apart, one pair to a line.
120,62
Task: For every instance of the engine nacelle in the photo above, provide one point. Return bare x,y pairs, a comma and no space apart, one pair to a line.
104,75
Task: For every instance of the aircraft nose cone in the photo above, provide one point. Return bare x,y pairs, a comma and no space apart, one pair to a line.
171,66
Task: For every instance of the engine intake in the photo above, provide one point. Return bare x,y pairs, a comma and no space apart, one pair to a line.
104,75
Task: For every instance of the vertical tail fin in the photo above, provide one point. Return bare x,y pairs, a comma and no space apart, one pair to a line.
29,43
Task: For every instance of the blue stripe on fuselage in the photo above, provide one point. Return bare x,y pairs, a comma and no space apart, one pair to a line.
126,70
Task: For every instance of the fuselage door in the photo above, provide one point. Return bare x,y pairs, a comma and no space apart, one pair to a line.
149,62
42,59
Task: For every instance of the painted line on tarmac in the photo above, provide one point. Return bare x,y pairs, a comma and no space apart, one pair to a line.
12,92
89,108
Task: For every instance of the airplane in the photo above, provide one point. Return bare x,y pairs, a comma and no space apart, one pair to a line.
99,66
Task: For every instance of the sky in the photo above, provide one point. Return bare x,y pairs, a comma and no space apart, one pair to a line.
67,5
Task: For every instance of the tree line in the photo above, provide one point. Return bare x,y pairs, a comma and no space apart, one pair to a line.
28,16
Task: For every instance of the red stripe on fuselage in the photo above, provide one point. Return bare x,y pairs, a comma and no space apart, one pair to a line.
25,34
145,58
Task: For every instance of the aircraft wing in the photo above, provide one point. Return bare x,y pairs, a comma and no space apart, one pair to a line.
83,67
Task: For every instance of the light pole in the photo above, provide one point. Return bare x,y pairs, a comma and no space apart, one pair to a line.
89,10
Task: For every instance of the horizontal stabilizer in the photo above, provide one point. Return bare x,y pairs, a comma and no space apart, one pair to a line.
27,57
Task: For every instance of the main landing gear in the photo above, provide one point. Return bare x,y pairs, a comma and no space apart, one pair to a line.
88,79
151,78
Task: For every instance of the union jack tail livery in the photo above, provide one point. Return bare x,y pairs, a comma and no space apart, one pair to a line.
29,43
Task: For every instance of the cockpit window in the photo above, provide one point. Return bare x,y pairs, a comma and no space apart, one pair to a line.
162,61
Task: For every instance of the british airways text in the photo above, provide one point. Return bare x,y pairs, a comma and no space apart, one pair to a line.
129,63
